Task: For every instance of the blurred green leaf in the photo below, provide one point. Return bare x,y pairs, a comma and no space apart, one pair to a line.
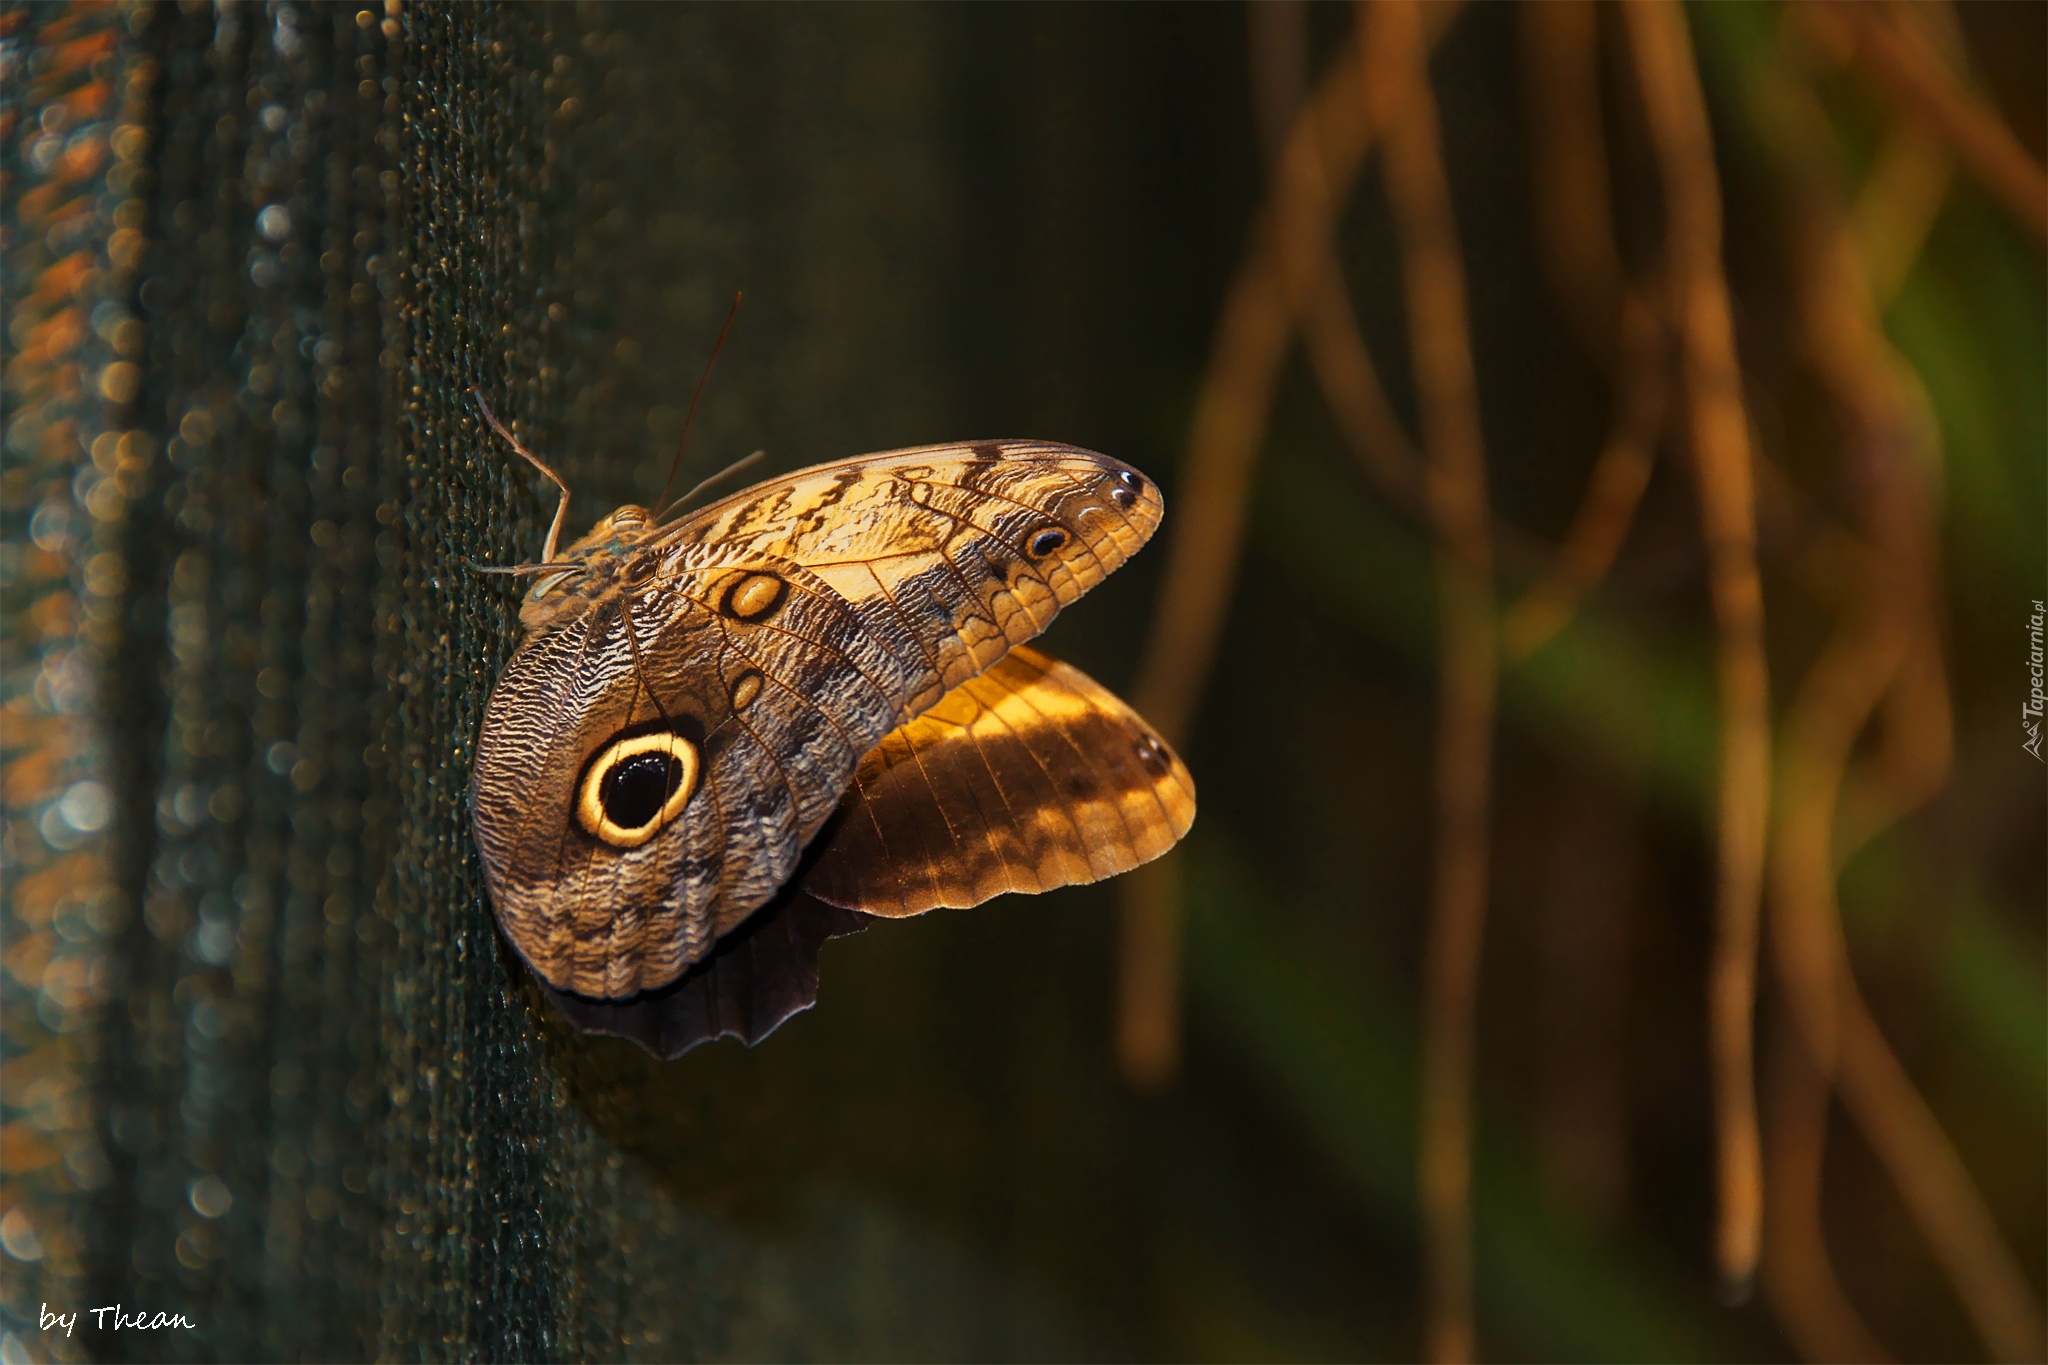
1970,322
1990,983
1995,992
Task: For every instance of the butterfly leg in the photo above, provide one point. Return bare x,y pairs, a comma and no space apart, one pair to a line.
547,553
633,648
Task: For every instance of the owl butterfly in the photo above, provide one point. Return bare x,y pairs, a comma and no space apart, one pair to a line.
727,737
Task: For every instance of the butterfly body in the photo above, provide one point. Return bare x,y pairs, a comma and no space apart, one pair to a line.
693,704
604,562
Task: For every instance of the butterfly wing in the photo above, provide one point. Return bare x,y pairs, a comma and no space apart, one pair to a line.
780,636
766,717
951,553
751,983
1026,777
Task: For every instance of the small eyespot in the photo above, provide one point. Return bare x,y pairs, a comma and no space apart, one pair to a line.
745,688
636,786
1153,754
754,597
1046,541
1129,479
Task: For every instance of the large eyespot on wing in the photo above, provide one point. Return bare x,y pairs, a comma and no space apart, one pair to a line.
633,803
1028,777
598,845
635,785
951,554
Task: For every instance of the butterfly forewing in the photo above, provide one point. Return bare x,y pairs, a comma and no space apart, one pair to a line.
952,553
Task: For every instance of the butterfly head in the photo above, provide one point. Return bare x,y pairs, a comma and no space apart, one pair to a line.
611,556
616,533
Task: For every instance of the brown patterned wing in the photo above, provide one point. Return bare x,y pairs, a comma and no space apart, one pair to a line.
750,984
950,554
630,813
1028,777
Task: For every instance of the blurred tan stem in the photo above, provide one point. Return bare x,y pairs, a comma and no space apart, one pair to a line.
1835,700
1201,564
1908,180
1455,490
1568,172
1668,78
1276,32
1886,654
1839,305
1895,211
1206,536
1617,324
1149,975
1799,1276
1621,473
1306,208
1903,64
1936,1186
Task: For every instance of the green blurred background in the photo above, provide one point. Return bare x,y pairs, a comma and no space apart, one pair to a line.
267,1063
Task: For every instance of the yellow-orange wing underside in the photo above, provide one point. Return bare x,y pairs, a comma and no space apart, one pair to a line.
1026,777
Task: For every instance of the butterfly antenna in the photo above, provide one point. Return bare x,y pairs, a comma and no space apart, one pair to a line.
721,476
683,444
561,508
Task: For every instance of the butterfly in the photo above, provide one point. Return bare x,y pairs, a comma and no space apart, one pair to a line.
727,736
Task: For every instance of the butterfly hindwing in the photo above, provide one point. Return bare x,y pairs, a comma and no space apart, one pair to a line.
1027,777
